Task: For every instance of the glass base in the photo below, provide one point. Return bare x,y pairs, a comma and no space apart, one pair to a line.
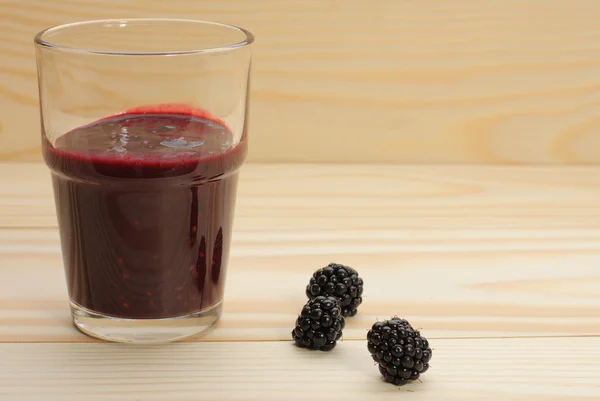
143,331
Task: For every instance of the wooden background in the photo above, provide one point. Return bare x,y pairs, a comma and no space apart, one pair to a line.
435,81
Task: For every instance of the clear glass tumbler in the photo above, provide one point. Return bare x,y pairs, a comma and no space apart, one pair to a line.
144,130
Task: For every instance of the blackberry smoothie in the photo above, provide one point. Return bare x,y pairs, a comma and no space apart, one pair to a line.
145,203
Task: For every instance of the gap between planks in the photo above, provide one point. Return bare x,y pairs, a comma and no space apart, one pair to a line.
90,340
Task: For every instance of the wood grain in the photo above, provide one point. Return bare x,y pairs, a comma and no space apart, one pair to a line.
494,251
500,81
491,369
480,258
316,197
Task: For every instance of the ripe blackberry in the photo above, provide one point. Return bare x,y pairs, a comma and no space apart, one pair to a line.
339,281
400,350
320,324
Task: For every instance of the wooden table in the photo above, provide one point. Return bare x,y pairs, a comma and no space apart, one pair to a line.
499,266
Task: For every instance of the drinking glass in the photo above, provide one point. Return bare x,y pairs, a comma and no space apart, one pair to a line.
144,130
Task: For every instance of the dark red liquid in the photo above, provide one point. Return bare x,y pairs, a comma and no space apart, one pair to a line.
145,207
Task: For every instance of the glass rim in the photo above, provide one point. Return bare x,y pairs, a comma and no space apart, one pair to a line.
39,38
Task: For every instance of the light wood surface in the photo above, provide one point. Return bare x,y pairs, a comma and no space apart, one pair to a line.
464,81
498,251
497,265
491,369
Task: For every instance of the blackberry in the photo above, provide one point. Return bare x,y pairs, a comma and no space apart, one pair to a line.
400,351
339,281
320,324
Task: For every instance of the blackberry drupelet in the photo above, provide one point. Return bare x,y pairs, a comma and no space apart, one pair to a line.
339,281
400,350
320,324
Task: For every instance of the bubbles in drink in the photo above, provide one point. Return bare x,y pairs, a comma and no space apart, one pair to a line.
181,143
141,135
